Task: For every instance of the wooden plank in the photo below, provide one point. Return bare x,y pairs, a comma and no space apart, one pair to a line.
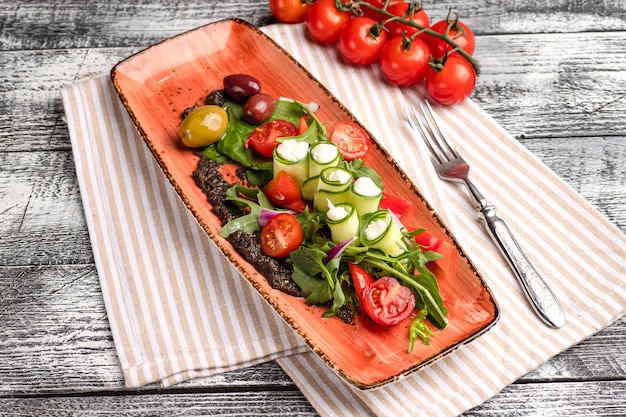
100,24
567,92
55,338
600,398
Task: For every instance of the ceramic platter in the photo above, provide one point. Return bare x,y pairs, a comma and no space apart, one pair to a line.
158,83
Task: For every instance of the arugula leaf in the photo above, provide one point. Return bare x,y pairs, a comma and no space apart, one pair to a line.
233,144
248,223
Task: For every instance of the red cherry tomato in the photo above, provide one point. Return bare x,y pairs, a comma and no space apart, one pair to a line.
459,32
451,83
403,66
263,138
444,248
282,191
352,141
357,44
401,9
360,279
281,235
387,302
324,21
372,14
289,11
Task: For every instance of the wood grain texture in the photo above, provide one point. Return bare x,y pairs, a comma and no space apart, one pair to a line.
553,75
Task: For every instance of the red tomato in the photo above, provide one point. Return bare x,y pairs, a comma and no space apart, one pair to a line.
459,32
387,302
401,9
263,138
445,248
396,204
357,44
352,141
372,14
282,191
453,82
324,21
360,278
289,11
403,66
281,235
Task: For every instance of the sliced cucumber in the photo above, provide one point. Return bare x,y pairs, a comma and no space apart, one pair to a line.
309,188
343,221
323,155
365,195
380,231
292,157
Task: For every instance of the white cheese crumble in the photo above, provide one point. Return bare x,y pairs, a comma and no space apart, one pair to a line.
335,213
375,229
292,150
339,176
324,153
366,187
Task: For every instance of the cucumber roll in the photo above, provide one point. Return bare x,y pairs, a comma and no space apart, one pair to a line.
381,231
334,185
323,155
292,156
365,195
343,221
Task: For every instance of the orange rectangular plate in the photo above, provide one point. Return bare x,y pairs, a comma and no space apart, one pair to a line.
157,84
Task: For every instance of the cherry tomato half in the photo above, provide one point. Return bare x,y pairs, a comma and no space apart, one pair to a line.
387,302
357,44
289,11
352,141
459,32
281,235
401,9
263,138
403,66
451,83
282,191
324,21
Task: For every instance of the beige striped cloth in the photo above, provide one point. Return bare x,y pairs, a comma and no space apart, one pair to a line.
179,310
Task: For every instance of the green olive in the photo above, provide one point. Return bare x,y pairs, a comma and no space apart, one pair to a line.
203,126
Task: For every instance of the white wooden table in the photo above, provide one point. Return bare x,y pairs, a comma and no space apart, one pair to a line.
554,75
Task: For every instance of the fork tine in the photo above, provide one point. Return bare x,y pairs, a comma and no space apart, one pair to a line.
437,134
436,153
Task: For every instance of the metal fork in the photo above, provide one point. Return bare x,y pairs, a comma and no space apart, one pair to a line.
452,167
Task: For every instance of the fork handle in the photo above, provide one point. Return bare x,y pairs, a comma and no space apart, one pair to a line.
541,297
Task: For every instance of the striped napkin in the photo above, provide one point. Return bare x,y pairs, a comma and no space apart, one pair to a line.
179,310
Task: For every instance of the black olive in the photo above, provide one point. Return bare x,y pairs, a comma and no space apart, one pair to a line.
241,86
258,108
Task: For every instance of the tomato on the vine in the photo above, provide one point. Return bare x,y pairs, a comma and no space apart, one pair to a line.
451,81
324,21
373,14
352,141
263,138
289,11
282,191
281,235
387,302
410,11
459,32
360,42
404,62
